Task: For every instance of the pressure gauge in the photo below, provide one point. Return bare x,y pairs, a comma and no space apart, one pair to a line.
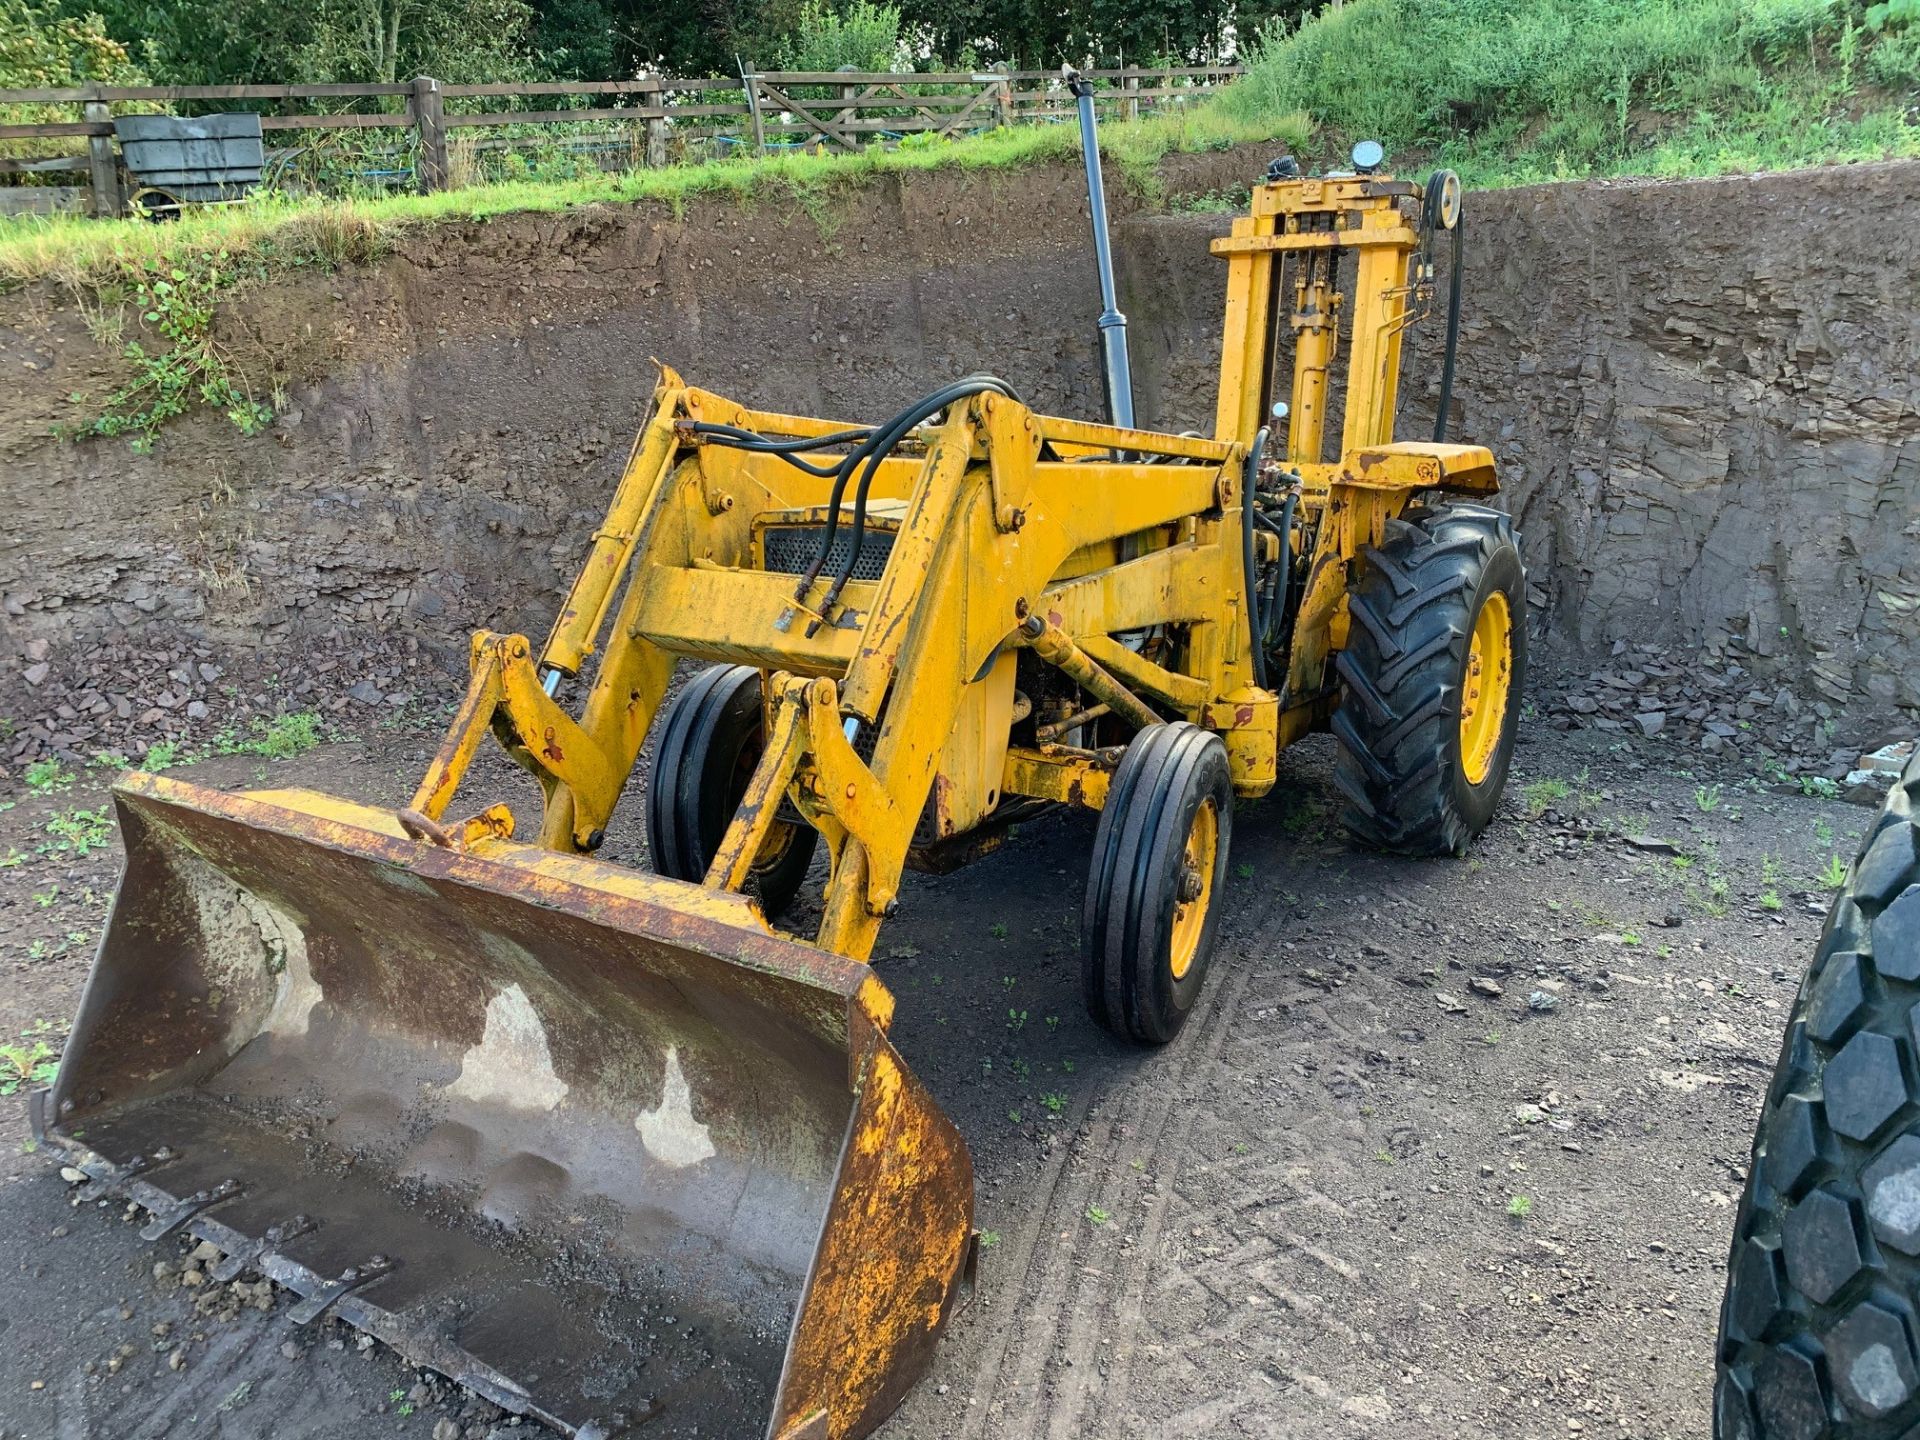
1368,156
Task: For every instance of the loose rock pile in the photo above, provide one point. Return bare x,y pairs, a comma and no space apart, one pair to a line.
1706,700
123,697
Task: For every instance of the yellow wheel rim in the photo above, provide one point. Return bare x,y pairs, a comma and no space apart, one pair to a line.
1195,894
1484,690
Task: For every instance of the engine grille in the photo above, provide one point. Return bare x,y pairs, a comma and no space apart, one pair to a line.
789,549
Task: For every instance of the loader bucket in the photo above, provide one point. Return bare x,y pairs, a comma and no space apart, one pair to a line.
594,1143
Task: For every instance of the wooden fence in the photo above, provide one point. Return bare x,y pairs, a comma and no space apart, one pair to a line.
650,120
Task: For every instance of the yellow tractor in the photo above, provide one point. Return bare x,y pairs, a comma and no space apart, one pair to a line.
613,1148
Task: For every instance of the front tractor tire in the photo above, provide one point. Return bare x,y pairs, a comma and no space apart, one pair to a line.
1153,892
1431,676
1822,1310
710,743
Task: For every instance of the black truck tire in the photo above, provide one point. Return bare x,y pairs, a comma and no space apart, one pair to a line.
1153,889
1822,1311
1431,675
710,741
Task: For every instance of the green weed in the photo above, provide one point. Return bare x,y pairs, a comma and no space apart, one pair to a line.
191,368
24,1065
1769,899
1054,1101
1097,1215
1707,799
1835,874
281,738
45,775
1542,795
80,832
1520,1206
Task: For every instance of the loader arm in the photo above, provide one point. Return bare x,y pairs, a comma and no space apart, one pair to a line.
1006,515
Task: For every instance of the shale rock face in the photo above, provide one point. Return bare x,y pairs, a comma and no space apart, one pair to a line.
1702,395
1713,390
1705,399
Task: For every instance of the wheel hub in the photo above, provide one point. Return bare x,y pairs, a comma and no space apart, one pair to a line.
1485,686
1195,893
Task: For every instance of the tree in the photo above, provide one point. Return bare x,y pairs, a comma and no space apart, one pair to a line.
383,41
865,37
227,42
40,48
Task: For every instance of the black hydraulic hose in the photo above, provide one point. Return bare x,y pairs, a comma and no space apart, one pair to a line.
881,440
1250,475
738,439
756,441
1274,610
878,450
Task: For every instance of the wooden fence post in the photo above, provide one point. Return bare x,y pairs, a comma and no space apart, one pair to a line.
849,92
101,171
656,127
1131,83
426,108
751,82
1002,95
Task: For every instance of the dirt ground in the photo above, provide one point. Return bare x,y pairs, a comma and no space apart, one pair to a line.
1449,1147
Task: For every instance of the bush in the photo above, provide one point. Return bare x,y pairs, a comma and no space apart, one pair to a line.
40,49
1895,61
1779,29
864,36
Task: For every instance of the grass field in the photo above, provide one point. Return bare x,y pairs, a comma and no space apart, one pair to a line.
1516,91
277,232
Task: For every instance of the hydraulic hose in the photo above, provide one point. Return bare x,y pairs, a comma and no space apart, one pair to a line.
1275,607
891,436
869,454
738,439
1250,474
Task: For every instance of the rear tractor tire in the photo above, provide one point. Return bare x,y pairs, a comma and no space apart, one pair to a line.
1153,894
1432,671
1822,1311
710,743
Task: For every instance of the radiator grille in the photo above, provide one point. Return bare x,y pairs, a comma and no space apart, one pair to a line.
789,549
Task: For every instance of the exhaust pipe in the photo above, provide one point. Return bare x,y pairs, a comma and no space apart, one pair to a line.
1113,325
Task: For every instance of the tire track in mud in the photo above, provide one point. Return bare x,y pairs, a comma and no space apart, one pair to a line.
1258,1261
1069,1304
1154,1306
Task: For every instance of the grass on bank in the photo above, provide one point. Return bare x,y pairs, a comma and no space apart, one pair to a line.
276,232
1517,91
